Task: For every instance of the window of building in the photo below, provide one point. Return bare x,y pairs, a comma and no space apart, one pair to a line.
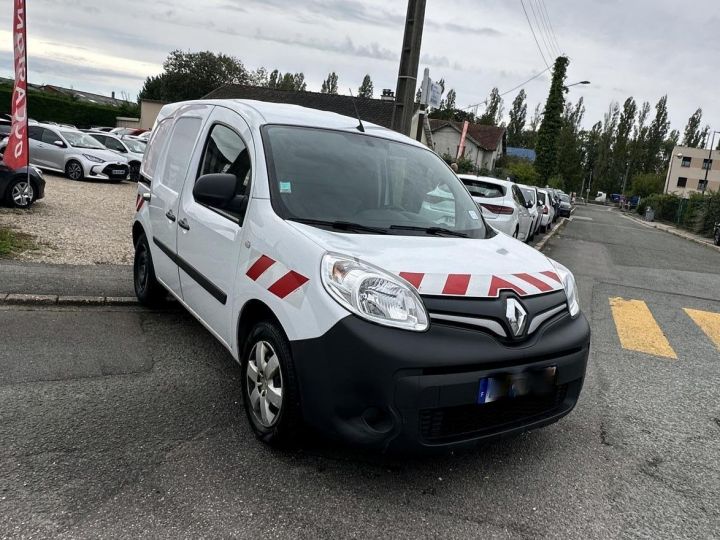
702,184
686,161
682,181
707,163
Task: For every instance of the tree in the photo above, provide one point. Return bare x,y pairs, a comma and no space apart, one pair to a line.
646,184
522,171
546,150
494,109
569,158
693,135
330,85
288,81
657,133
518,115
188,75
620,167
366,88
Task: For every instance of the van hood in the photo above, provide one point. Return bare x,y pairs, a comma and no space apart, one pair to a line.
479,268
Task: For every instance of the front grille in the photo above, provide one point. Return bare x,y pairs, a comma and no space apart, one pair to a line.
109,171
466,421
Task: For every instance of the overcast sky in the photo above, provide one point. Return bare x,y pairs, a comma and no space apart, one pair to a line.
643,48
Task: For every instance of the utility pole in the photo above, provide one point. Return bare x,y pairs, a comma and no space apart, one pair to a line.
409,61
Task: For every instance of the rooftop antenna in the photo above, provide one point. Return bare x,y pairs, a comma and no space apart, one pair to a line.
360,127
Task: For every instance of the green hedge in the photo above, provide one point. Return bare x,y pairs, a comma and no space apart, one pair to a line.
45,108
698,213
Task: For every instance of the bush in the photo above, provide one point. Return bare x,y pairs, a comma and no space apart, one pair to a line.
647,184
698,213
46,108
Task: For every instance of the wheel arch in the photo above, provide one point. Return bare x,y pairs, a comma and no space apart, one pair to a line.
252,312
137,231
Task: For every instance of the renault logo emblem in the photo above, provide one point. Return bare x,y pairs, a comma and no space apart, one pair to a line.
515,315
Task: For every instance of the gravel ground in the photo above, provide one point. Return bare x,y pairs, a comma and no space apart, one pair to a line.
78,222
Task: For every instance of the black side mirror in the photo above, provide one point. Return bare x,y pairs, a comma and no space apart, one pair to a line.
215,190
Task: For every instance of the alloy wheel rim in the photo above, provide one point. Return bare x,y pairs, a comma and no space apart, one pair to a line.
264,384
74,171
22,193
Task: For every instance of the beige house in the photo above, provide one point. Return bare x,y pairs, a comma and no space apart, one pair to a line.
688,166
484,145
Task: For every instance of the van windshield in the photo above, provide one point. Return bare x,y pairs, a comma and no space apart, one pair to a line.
354,182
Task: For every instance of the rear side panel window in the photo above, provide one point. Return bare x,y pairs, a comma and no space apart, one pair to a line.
35,133
155,148
179,152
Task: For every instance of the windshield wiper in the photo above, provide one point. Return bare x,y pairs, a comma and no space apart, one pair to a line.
434,231
341,225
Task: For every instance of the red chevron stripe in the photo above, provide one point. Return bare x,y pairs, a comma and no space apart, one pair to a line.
552,275
456,284
259,267
497,283
414,278
287,284
535,282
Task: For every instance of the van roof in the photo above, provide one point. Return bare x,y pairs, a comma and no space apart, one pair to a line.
260,113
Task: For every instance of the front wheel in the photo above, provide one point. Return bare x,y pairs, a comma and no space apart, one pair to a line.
20,193
148,290
74,170
269,387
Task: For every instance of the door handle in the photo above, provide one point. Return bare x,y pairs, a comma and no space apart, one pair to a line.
183,224
169,214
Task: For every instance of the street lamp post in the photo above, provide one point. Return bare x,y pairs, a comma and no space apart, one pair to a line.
709,162
574,84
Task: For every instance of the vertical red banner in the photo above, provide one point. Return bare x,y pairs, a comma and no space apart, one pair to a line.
16,153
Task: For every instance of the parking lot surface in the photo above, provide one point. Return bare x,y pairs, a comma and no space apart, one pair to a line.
126,422
85,222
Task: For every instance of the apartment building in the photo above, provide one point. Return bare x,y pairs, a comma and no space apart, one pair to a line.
688,166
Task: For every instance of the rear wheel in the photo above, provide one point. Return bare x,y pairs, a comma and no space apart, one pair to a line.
269,386
147,288
20,193
74,170
517,232
717,236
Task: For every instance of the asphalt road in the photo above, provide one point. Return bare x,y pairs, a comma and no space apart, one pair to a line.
124,422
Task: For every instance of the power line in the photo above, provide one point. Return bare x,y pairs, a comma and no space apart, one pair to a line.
552,29
541,31
533,34
511,90
543,24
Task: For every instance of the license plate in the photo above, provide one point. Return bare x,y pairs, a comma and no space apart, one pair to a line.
512,385
118,171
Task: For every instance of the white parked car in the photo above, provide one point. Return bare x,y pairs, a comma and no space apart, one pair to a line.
502,203
75,153
130,149
351,275
531,197
547,210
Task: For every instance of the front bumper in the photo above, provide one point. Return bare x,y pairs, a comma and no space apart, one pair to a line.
564,212
106,171
391,389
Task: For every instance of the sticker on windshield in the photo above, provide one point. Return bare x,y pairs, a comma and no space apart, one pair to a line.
285,187
473,214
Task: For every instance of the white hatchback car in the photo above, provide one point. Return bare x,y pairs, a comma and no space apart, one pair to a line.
502,203
547,210
349,272
531,197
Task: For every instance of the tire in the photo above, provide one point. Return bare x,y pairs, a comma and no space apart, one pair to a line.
148,290
20,194
74,170
270,392
516,233
717,236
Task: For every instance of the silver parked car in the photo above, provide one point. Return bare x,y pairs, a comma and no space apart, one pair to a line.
131,149
75,153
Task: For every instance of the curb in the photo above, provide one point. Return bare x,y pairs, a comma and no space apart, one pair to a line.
673,231
53,300
541,245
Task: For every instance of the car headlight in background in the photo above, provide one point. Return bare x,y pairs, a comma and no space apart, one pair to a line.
93,158
568,283
372,293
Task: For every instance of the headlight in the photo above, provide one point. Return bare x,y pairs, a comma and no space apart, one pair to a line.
568,282
372,293
93,158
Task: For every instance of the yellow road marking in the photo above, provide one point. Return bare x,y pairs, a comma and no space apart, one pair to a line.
708,322
637,328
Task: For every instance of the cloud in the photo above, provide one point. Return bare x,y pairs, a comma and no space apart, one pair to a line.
463,29
339,10
346,47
